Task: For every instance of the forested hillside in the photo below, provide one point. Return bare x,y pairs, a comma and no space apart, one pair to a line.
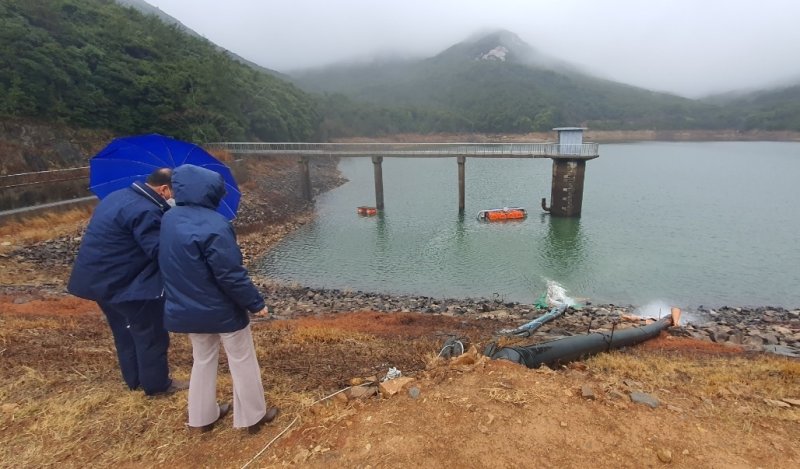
777,109
96,64
498,83
99,65
147,9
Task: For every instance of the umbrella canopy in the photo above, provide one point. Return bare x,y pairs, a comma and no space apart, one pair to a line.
129,159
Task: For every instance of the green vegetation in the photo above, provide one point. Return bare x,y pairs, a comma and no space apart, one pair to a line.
343,117
526,92
487,96
99,65
93,63
767,110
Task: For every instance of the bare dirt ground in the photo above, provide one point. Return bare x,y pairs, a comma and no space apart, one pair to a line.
62,402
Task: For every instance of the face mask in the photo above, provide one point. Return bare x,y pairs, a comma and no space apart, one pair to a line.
171,202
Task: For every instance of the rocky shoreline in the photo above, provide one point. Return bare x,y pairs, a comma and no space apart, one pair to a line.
770,329
756,329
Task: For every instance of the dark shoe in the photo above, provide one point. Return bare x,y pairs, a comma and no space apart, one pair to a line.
223,411
272,412
177,385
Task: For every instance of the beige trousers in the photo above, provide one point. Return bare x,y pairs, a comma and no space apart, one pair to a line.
249,405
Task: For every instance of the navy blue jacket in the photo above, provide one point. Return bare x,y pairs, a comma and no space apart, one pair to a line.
208,289
118,257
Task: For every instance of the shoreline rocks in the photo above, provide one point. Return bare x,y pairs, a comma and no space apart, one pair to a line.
772,329
758,329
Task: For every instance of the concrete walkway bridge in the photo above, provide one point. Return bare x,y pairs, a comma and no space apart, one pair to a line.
569,157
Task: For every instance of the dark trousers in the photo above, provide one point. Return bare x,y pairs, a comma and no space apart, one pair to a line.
142,342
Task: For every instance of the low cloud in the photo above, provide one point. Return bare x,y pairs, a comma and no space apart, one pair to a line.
682,46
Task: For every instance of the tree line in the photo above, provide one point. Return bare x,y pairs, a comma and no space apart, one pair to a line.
95,64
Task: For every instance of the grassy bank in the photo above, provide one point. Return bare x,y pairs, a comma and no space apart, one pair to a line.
65,404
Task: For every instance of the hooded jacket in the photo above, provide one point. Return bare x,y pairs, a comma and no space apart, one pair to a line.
207,288
118,257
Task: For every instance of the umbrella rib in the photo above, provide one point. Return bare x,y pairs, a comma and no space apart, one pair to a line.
146,150
169,153
233,213
233,188
189,153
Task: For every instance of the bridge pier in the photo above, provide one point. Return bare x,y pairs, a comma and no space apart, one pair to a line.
377,163
566,191
569,169
305,179
461,186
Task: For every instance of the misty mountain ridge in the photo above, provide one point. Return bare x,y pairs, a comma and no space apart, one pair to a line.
498,82
99,64
503,46
497,45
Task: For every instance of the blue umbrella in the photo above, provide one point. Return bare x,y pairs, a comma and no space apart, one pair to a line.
129,159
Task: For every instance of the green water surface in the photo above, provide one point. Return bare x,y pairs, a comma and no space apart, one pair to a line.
687,224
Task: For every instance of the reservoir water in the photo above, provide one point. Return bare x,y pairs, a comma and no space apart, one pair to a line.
686,224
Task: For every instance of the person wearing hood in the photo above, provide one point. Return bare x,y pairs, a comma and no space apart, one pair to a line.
209,295
117,267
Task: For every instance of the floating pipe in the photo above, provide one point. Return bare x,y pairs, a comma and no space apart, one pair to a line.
527,328
557,352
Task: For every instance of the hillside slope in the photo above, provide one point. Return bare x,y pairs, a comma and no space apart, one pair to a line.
147,9
96,64
774,109
499,83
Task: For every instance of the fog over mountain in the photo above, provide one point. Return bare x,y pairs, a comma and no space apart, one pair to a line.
682,46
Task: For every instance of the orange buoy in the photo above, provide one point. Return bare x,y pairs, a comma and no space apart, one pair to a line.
501,214
367,211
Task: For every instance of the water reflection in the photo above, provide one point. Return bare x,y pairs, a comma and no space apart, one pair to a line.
382,237
563,247
460,231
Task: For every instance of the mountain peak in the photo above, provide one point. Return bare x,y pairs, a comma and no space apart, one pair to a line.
498,46
500,36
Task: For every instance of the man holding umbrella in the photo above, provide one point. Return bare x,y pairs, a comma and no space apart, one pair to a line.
117,266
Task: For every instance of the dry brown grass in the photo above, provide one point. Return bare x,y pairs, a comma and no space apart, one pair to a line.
63,402
713,384
36,228
62,396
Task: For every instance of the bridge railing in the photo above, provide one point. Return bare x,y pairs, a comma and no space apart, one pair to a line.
10,181
414,150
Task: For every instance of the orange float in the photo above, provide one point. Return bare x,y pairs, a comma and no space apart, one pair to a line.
502,214
367,211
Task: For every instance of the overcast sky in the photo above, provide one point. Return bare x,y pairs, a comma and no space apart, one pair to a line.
688,47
